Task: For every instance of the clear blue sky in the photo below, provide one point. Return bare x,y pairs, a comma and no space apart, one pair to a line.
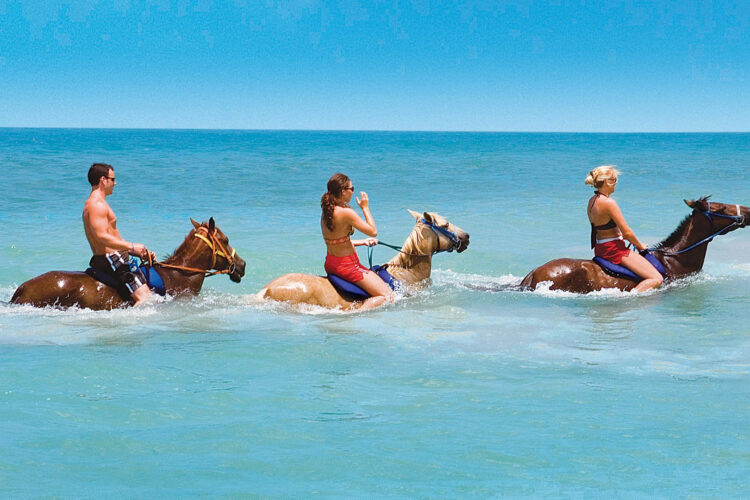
555,65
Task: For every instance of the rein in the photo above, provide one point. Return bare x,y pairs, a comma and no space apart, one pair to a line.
737,221
216,249
435,229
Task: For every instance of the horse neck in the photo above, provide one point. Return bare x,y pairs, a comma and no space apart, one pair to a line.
190,254
696,228
413,263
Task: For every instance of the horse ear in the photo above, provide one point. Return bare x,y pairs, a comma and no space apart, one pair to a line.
414,214
211,224
196,225
428,217
699,204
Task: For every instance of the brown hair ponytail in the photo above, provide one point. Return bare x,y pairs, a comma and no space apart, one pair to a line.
330,198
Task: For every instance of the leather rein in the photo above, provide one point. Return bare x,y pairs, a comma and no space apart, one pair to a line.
452,236
737,221
216,249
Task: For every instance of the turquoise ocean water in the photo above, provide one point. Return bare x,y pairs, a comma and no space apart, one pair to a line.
469,389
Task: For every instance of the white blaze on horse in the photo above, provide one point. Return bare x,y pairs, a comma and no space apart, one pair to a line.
411,266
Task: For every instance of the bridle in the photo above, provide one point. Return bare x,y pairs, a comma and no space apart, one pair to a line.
445,232
737,221
452,236
217,248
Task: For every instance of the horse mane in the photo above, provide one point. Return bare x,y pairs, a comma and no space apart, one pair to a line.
676,235
174,252
410,246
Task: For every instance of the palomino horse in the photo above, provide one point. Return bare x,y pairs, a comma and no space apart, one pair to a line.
205,248
682,252
431,234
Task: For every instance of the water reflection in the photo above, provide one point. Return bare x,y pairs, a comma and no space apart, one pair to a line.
610,321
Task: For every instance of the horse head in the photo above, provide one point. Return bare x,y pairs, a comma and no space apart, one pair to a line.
223,257
722,216
437,234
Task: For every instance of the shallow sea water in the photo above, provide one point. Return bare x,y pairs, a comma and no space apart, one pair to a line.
469,388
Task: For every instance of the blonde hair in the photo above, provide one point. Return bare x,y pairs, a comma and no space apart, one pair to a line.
600,174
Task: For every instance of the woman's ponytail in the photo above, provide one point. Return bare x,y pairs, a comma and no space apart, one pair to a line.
327,204
330,199
600,174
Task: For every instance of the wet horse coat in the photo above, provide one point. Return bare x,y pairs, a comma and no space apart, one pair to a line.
682,253
198,252
412,265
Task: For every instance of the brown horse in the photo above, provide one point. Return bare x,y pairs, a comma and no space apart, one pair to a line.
412,265
681,253
205,248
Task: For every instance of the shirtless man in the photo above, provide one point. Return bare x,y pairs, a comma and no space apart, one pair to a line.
111,252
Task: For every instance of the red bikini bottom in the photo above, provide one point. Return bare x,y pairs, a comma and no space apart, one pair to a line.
612,251
347,267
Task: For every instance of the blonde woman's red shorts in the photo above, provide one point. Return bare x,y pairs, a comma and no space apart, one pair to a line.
612,251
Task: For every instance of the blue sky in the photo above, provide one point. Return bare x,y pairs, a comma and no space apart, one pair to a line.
550,65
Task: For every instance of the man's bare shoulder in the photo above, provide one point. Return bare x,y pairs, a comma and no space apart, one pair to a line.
96,207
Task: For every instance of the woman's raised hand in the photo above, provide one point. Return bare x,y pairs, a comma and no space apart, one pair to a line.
364,201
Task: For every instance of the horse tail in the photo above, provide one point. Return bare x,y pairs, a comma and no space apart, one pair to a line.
16,299
528,283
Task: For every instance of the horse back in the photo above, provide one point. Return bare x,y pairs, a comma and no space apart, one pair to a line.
573,275
298,288
67,289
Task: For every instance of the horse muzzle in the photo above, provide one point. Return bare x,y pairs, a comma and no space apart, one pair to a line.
463,242
237,270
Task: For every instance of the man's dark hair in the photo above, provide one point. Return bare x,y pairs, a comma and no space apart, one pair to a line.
97,171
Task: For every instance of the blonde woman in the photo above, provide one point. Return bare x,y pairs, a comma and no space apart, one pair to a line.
608,228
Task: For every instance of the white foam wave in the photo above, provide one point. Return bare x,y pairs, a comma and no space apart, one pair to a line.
510,283
308,309
741,269
163,309
6,292
478,282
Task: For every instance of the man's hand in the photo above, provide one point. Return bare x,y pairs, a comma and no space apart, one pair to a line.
141,251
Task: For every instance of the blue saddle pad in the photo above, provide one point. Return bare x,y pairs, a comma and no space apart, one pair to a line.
153,278
350,288
619,271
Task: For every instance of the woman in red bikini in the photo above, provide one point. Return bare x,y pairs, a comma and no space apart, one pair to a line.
338,223
608,228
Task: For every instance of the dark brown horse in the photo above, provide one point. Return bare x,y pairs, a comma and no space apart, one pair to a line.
205,248
682,252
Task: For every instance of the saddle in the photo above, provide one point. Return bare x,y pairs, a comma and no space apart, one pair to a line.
153,279
619,271
349,288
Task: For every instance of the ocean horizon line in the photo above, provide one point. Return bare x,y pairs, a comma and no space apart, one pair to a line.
380,131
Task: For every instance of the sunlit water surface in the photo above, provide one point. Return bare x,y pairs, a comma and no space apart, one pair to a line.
469,388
